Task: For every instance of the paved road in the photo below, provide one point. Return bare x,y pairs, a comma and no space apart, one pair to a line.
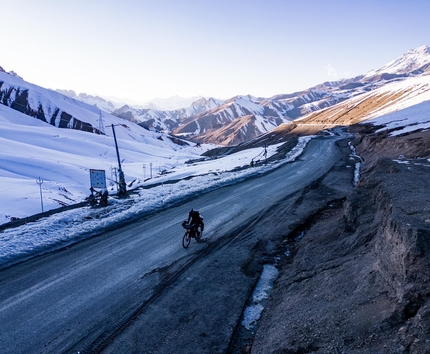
80,298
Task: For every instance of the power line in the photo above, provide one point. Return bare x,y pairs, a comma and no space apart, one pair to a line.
101,125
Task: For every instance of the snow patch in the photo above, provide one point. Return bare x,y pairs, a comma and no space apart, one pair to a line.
261,292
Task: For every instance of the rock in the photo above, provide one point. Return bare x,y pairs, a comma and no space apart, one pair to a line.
361,271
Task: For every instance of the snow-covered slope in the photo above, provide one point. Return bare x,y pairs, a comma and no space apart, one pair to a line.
414,61
42,143
384,100
50,106
31,149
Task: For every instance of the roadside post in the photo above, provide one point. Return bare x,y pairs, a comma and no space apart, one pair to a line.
121,182
40,182
265,152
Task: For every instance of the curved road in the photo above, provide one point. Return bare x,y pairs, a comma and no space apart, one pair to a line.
79,298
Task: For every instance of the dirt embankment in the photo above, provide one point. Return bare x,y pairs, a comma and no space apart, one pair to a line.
359,278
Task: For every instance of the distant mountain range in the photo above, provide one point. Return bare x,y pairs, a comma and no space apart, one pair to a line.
109,104
209,120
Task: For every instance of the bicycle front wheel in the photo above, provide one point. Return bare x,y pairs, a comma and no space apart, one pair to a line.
186,240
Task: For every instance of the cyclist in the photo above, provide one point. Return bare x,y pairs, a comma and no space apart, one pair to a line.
195,220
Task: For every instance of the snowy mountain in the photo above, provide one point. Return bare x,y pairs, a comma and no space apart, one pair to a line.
240,118
244,117
53,138
165,120
109,104
32,146
170,103
227,123
206,120
230,123
413,62
97,101
236,120
49,106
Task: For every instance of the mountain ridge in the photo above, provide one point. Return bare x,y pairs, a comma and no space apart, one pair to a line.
209,126
209,120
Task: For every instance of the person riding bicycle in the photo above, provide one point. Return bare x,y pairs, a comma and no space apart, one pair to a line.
196,221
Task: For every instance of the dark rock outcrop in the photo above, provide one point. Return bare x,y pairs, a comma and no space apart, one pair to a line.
17,99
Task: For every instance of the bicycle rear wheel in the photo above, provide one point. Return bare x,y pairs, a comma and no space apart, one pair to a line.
186,240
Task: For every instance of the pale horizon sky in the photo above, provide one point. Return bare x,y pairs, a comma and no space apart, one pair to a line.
143,49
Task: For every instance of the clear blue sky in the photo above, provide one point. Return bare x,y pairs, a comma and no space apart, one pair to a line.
141,49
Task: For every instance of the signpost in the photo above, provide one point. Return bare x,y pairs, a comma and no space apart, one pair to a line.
98,178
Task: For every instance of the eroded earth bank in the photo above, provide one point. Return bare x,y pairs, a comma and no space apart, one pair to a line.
358,280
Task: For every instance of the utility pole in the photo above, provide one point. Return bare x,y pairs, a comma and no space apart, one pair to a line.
121,182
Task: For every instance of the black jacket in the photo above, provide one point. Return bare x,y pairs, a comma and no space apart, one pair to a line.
196,219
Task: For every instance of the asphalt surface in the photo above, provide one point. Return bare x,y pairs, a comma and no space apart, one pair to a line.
136,289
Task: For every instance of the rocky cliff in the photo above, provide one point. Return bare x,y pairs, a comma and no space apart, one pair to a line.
32,102
358,278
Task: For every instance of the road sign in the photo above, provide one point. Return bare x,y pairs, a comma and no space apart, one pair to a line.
98,178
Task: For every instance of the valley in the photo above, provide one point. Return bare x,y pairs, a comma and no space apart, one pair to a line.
346,223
